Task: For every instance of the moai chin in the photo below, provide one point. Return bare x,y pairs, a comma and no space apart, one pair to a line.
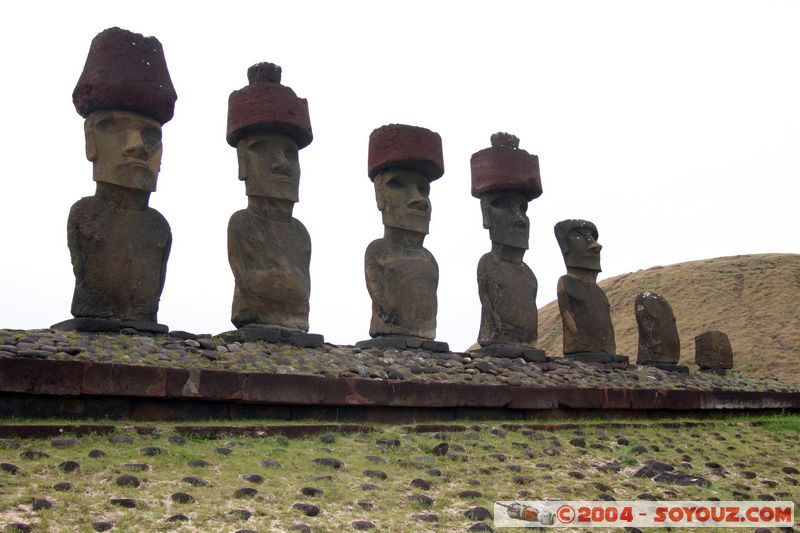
269,251
119,246
585,312
659,343
401,275
505,178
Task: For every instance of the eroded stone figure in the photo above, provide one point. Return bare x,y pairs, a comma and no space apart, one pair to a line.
713,352
269,251
402,276
119,246
585,311
506,178
659,344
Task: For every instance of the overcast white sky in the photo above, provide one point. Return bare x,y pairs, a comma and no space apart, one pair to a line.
674,126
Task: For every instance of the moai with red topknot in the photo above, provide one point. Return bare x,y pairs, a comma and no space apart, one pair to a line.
505,178
269,250
119,246
402,276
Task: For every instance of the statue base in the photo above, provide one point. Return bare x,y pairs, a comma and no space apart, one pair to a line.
670,367
597,357
274,334
512,351
717,371
402,342
110,325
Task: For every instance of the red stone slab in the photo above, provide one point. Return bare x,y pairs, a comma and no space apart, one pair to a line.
124,380
42,431
311,390
417,394
34,376
288,431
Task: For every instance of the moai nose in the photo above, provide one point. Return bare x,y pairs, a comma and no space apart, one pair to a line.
134,145
595,247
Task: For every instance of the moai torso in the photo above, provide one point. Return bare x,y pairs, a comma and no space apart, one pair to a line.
270,262
402,283
586,316
508,297
119,257
658,331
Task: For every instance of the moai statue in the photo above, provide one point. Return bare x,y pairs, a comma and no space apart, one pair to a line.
505,178
119,246
585,312
402,276
659,344
713,352
269,251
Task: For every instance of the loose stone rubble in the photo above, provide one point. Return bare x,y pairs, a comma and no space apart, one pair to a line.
185,350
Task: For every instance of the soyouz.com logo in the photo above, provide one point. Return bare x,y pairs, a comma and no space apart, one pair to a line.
643,514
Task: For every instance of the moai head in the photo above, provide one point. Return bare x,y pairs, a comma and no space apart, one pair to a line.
268,124
126,95
579,246
403,160
506,178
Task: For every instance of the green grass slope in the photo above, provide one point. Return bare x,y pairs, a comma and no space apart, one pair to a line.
755,299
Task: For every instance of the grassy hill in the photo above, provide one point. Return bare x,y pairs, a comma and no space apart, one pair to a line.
755,299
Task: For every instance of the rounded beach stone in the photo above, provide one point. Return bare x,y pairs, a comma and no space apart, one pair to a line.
17,527
62,486
69,466
151,451
33,455
362,525
327,438
478,514
367,506
329,461
120,439
421,499
40,504
96,454
441,449
245,492
240,514
128,503
465,494
311,491
253,478
195,481
8,468
182,497
127,480
368,486
421,484
308,509
102,525
480,526
223,451
375,474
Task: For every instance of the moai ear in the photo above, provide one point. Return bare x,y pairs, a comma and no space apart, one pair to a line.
487,220
241,156
379,190
88,133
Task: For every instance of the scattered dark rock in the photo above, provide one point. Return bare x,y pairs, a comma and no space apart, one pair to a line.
102,525
270,463
9,444
478,514
137,467
375,474
420,484
182,497
32,455
97,454
127,480
8,468
195,481
498,456
240,514
253,478
120,439
375,459
579,442
151,451
434,472
128,503
790,470
245,492
223,451
427,517
62,487
577,475
327,438
441,449
367,506
69,466
311,491
198,463
361,525
17,527
652,468
712,464
498,432
602,487
769,483
322,477
368,486
308,509
176,439
522,480
178,518
466,494
480,526
64,443
639,448
329,461
679,478
646,496
303,528
388,443
40,504
421,499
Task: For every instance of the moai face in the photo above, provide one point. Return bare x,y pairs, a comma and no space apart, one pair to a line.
269,165
125,148
580,247
504,215
402,197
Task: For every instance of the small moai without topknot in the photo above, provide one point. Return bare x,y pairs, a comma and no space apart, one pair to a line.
585,311
269,251
402,276
119,246
506,178
659,343
713,352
